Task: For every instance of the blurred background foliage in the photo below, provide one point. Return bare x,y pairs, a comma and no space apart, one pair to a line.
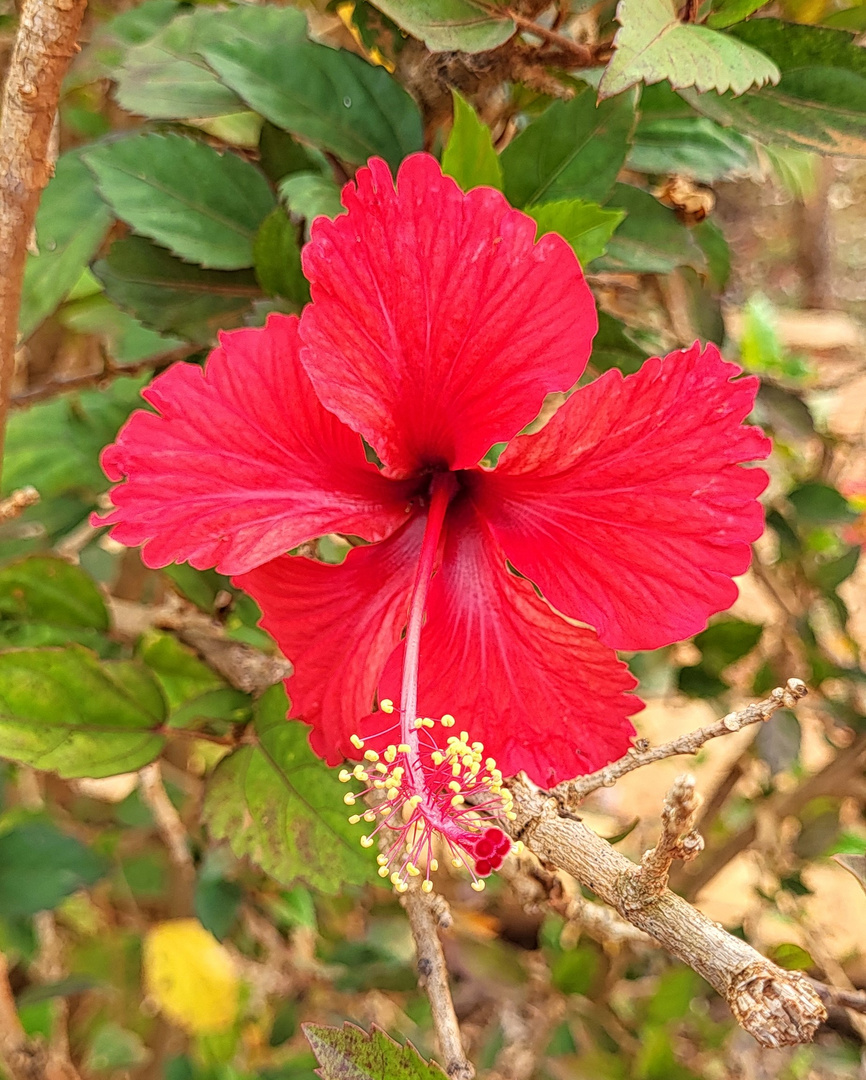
180,920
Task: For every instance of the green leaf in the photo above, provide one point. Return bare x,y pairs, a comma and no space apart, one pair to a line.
179,671
726,641
166,79
820,102
852,18
446,25
651,240
204,206
694,147
695,681
469,155
586,226
349,1053
308,195
40,866
830,575
280,805
70,225
332,98
574,150
64,711
613,348
652,44
46,590
791,957
277,255
733,11
124,338
821,504
171,296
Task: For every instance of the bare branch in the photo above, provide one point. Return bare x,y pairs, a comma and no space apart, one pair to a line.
14,505
427,913
167,819
572,793
677,841
855,1000
44,45
779,1008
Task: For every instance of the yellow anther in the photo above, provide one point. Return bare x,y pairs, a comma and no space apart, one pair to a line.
371,755
354,819
458,800
437,757
402,887
383,871
360,773
395,878
434,865
519,847
356,742
391,754
416,800
454,785
428,722
419,723
456,769
382,860
367,841
393,793
475,768
398,772
510,815
378,784
456,863
404,748
386,705
413,870
349,799
345,776
478,746
448,720
478,886
381,767
464,736
490,763
427,886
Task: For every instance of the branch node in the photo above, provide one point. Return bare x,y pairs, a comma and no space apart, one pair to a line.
780,1008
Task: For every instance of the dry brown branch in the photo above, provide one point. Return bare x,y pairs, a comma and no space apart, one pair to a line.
427,913
167,819
678,840
571,794
15,504
19,1057
855,1000
779,1008
44,45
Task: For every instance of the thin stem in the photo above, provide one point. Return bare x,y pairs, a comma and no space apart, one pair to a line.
441,491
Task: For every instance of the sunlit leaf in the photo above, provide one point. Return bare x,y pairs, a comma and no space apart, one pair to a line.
52,591
349,1053
469,155
444,25
586,226
277,256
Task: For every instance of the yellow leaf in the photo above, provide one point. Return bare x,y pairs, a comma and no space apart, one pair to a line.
190,976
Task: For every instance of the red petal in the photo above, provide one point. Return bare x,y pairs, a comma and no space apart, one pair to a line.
338,625
542,694
242,462
629,510
437,324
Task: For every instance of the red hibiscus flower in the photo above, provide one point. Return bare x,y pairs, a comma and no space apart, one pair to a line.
437,326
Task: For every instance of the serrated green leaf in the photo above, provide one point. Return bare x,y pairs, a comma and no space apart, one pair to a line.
202,205
308,195
445,25
46,590
574,150
70,225
40,866
331,98
349,1053
820,102
172,296
124,338
278,804
64,711
277,255
469,155
586,226
652,44
651,239
165,78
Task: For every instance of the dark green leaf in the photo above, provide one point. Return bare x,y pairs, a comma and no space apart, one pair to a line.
281,154
711,240
65,711
830,575
204,206
469,155
446,25
40,866
726,641
693,146
697,682
51,591
332,98
277,255
123,338
821,504
652,44
575,971
165,78
586,226
729,12
613,347
70,225
172,296
651,240
217,903
820,102
282,807
574,150
348,1053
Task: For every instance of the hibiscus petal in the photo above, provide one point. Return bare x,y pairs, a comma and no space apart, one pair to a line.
629,510
338,625
241,462
543,695
438,324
